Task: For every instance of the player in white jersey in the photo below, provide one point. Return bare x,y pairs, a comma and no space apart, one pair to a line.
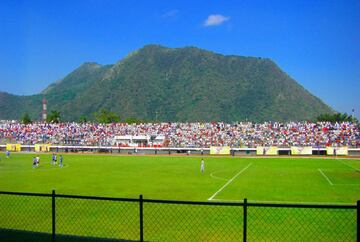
202,166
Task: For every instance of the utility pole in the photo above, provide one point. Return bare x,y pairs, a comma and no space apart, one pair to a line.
44,110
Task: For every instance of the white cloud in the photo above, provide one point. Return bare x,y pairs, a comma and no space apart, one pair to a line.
215,19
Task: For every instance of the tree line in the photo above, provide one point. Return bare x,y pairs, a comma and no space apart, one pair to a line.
106,116
101,116
336,117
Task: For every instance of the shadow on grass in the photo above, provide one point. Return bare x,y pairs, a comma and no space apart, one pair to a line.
7,235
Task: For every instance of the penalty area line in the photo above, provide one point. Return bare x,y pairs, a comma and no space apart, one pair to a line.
346,164
327,178
222,188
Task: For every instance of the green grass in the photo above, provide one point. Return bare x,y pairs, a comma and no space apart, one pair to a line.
301,180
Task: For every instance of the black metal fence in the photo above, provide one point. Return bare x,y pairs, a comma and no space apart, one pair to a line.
58,217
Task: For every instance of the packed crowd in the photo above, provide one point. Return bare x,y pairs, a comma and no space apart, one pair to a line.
244,134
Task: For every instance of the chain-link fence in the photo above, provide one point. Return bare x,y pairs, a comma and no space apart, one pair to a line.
25,217
68,218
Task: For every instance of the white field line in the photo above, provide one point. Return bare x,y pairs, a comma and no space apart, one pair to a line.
282,202
210,198
346,164
327,178
216,177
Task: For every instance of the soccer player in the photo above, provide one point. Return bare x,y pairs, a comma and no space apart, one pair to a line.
7,154
202,166
34,162
37,161
61,161
53,159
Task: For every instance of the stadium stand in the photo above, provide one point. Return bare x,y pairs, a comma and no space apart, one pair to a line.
243,134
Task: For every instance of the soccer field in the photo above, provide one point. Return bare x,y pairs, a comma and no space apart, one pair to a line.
301,180
226,179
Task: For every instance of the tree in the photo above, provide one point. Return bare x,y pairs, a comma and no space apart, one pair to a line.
53,117
26,119
105,116
83,119
336,117
131,120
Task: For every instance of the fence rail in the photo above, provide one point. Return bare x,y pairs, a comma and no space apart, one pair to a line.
353,150
60,217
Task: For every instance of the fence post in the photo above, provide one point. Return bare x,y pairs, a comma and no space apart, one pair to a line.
141,219
245,220
53,215
358,221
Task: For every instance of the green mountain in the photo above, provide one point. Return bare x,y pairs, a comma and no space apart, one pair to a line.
175,84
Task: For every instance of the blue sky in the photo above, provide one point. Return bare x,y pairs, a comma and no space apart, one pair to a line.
315,42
